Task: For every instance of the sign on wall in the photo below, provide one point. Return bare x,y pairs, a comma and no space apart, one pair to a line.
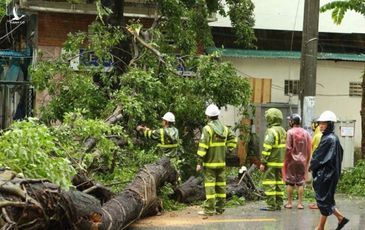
347,131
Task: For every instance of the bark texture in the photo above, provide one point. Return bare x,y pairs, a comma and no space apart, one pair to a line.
39,204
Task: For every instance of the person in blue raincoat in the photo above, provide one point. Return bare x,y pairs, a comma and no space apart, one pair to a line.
326,169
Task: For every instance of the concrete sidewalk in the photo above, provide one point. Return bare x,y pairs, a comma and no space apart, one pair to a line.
250,217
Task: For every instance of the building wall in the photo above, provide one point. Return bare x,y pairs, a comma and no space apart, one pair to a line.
54,27
288,15
332,89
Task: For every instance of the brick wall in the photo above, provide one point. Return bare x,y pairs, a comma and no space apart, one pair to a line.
54,27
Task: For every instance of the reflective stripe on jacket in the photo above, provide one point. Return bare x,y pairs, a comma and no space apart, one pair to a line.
168,139
274,145
213,144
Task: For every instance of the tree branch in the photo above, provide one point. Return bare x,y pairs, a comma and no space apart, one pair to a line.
145,44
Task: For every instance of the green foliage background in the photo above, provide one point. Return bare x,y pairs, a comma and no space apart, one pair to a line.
3,4
353,181
149,88
146,88
30,149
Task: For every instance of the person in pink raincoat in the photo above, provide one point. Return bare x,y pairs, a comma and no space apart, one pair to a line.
296,162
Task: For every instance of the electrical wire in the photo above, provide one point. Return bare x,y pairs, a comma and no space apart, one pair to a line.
292,36
291,49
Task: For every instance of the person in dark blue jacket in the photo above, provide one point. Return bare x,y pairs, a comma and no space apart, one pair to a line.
326,169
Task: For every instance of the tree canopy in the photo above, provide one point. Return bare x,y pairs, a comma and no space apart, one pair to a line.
150,82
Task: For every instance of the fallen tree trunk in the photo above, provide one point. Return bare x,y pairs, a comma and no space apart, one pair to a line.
190,191
140,197
39,204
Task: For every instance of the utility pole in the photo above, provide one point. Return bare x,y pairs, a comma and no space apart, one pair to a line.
308,65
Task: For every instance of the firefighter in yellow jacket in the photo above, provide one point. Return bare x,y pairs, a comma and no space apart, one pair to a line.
272,158
214,141
167,136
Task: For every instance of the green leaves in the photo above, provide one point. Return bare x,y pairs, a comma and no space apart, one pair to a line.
241,14
145,88
3,4
76,130
69,89
353,181
55,153
220,83
341,7
29,148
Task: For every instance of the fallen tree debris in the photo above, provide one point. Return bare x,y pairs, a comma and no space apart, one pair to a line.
192,190
39,204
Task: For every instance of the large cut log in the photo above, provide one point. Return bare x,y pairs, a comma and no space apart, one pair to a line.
39,204
190,191
140,196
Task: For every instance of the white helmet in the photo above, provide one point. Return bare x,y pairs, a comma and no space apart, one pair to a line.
327,116
170,117
212,110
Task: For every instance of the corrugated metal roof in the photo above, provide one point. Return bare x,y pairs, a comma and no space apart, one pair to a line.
242,53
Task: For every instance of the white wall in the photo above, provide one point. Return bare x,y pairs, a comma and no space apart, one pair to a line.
332,84
288,15
230,116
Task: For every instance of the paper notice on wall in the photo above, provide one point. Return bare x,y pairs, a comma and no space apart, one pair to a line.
308,111
347,131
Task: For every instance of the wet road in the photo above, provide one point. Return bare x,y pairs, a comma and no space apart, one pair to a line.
250,217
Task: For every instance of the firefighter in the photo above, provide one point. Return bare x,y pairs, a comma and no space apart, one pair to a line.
272,158
214,141
167,136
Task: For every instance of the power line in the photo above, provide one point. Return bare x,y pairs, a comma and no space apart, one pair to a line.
292,36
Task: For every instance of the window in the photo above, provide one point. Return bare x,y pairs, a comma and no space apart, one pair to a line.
355,89
291,87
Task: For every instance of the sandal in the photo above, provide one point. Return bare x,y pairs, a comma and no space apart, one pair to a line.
288,206
313,206
341,224
300,206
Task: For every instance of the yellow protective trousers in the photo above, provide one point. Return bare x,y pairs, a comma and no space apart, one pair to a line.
273,187
215,190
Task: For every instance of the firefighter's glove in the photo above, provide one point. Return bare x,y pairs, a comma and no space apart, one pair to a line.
262,168
199,168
